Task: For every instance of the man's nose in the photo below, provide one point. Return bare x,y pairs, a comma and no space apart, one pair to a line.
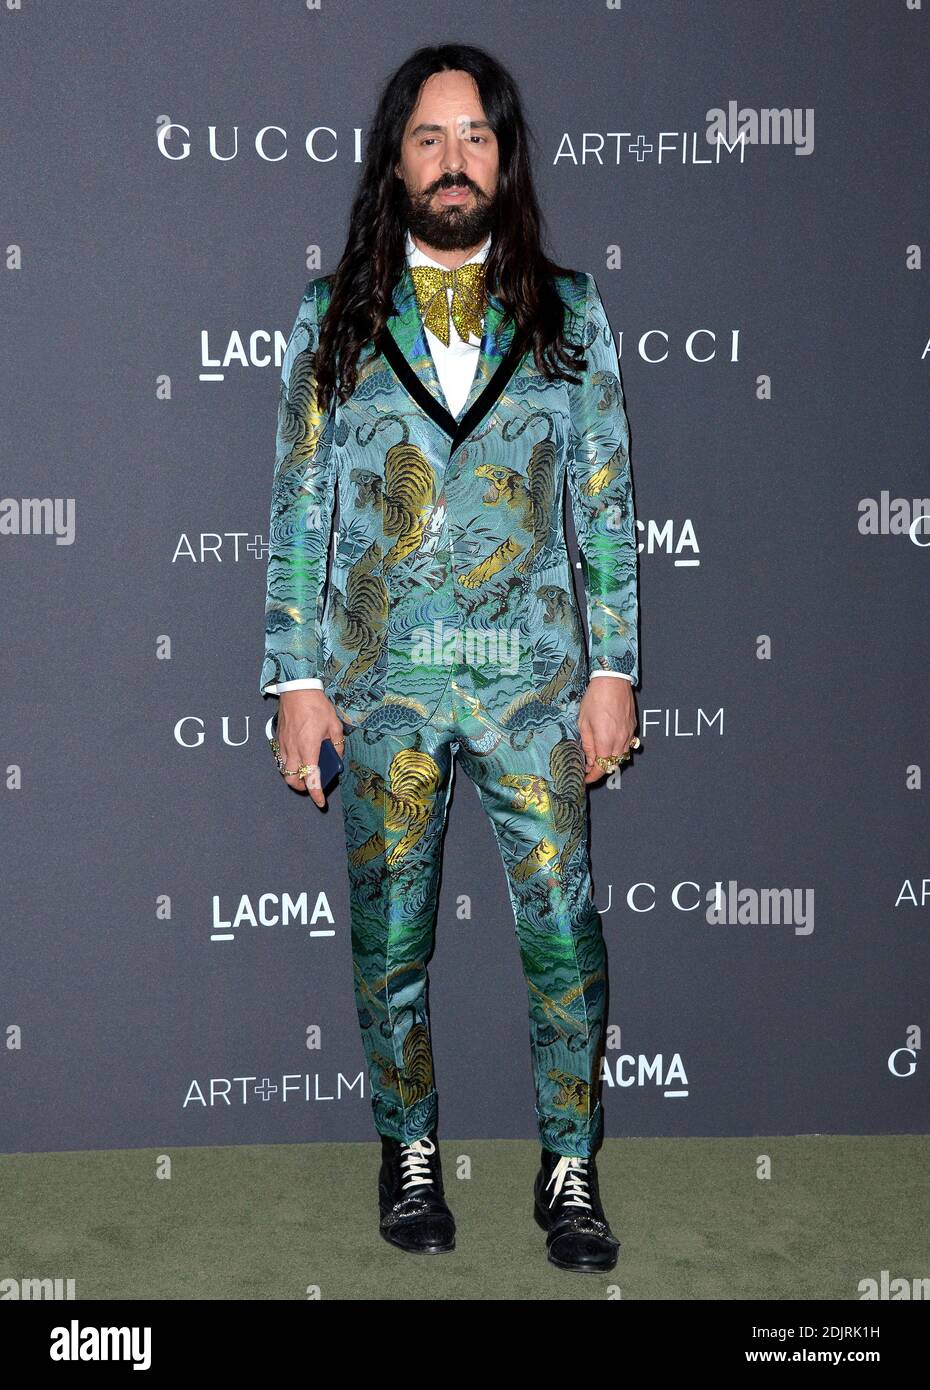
455,154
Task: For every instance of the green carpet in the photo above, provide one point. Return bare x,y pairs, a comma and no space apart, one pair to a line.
268,1222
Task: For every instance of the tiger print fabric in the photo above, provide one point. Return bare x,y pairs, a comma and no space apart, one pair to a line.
451,548
449,631
395,792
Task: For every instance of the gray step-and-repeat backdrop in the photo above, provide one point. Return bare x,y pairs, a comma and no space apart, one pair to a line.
749,185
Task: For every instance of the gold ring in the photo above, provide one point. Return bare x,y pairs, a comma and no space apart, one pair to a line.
302,771
279,761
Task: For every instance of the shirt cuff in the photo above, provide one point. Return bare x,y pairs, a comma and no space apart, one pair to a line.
305,683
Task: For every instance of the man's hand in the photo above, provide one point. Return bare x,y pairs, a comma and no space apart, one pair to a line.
305,718
607,722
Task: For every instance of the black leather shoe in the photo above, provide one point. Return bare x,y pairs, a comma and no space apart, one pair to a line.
414,1215
567,1205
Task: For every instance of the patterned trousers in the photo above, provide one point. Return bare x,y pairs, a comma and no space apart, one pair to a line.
530,781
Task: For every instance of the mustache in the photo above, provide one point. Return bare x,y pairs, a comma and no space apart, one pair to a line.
453,181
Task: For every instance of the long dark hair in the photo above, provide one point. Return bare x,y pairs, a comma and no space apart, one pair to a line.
517,270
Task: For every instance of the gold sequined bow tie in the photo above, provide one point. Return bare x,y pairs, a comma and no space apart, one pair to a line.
468,298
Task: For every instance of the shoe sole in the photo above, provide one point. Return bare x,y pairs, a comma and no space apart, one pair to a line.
563,1264
419,1249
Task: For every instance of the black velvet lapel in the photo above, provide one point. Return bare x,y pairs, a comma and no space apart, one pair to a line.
457,430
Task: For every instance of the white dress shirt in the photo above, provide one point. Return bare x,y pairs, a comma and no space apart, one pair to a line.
455,366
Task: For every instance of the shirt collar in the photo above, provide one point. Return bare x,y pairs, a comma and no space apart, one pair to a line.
416,256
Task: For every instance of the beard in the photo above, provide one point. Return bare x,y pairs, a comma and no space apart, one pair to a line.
453,227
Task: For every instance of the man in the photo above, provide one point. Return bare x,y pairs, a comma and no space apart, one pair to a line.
426,382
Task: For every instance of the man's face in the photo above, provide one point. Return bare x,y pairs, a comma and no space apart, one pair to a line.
448,165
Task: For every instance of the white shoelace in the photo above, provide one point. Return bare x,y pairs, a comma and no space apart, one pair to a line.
572,1172
413,1164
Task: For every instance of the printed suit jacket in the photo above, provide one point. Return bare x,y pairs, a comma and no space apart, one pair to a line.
450,545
